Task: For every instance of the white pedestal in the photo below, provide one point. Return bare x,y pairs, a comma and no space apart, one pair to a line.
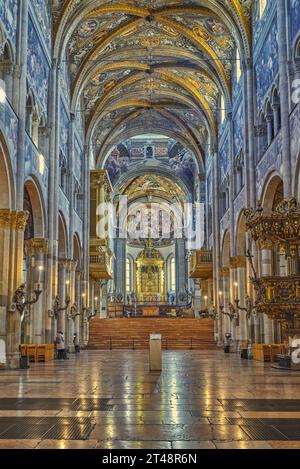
155,358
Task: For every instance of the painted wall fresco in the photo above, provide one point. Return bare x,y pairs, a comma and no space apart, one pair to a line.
9,16
183,165
179,160
35,164
267,66
43,15
238,129
259,23
295,132
64,78
78,153
64,130
117,164
38,68
224,158
295,18
10,124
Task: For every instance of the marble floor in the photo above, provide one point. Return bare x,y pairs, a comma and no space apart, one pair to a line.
202,399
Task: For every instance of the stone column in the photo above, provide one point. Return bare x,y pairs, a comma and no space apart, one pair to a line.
249,132
269,120
233,279
36,251
284,95
266,271
53,158
5,251
216,250
227,325
276,111
103,300
120,266
70,323
21,86
181,269
77,328
63,290
86,228
242,291
92,296
199,303
12,225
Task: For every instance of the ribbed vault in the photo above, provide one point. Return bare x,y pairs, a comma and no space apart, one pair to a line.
161,63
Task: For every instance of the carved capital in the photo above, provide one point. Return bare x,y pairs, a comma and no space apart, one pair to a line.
224,271
63,263
260,130
266,245
36,246
73,265
238,262
12,219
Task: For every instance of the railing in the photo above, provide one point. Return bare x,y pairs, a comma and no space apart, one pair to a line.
201,264
135,343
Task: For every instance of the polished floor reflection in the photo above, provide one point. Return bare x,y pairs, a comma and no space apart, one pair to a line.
202,399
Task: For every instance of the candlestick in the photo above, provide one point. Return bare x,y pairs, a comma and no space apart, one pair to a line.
67,288
236,290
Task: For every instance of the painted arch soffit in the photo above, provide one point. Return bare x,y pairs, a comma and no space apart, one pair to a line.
118,125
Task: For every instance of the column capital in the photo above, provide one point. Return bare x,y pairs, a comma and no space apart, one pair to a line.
13,219
63,263
265,245
73,265
224,272
36,246
237,262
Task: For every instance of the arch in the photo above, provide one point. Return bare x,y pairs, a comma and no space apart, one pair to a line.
130,273
7,193
297,49
150,169
77,251
240,241
62,237
226,251
296,181
271,187
38,207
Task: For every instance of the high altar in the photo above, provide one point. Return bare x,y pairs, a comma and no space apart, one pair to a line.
150,276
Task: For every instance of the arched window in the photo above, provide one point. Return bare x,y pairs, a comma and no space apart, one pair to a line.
222,112
238,67
262,7
128,275
6,71
172,275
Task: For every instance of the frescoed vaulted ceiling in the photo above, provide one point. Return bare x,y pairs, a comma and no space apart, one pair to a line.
159,63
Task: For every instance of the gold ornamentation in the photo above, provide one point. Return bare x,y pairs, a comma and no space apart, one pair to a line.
281,227
224,271
238,262
13,219
36,246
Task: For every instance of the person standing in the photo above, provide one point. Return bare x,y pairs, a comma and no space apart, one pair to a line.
76,343
60,345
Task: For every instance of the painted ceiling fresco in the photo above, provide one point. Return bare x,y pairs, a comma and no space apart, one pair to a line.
159,63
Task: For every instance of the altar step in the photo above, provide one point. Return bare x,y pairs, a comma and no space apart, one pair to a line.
133,334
